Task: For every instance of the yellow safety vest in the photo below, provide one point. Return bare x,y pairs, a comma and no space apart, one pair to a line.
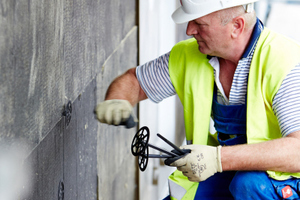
193,79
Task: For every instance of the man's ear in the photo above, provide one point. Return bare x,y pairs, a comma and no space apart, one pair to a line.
238,26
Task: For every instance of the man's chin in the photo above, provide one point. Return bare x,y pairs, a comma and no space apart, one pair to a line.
203,50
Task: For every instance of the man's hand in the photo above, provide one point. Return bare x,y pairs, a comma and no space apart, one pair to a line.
113,111
203,162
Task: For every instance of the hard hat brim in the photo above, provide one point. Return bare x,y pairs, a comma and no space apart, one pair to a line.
180,17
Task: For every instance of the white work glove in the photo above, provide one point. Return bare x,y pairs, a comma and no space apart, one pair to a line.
114,111
203,162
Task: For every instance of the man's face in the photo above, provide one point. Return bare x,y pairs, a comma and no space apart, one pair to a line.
211,35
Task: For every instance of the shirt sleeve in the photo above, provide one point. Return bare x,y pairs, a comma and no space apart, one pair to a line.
154,78
286,103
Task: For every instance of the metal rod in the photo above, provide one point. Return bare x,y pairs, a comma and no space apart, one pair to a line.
162,150
171,144
158,156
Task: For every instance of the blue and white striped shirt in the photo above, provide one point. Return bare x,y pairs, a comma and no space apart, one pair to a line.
155,80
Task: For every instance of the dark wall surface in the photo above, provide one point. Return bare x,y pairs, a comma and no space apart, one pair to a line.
60,51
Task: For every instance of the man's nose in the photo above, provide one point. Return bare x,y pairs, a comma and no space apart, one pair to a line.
191,28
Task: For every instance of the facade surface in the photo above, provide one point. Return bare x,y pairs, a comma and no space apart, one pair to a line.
57,59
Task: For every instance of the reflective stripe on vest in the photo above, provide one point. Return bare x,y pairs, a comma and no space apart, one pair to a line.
176,191
180,187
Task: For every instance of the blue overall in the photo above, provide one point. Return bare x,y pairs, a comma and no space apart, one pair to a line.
230,122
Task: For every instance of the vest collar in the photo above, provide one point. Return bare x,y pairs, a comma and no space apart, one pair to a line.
258,28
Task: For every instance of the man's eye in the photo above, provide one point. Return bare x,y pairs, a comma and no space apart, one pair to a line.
199,24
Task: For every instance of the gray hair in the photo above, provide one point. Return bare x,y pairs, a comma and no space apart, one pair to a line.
229,14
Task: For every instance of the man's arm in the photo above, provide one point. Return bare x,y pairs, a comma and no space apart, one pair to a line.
126,87
123,93
278,155
281,155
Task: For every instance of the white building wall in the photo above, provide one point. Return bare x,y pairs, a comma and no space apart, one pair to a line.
157,36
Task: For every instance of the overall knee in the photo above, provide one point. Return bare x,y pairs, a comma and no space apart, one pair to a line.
249,183
241,182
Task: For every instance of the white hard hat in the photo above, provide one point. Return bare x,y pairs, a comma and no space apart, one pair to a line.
193,9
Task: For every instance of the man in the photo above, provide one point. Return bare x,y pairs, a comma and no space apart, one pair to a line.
246,78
